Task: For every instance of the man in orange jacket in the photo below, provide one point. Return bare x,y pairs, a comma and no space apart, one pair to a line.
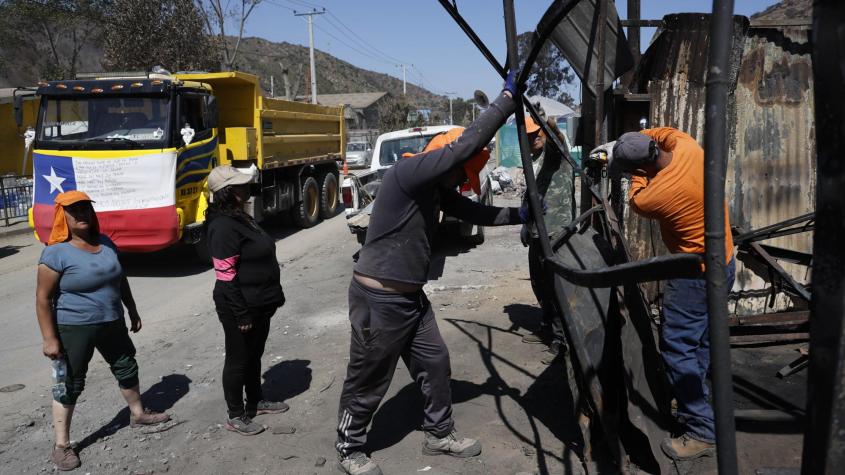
667,168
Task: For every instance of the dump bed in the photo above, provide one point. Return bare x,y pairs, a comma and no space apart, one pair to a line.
273,133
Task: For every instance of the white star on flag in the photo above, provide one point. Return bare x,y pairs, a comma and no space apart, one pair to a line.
55,181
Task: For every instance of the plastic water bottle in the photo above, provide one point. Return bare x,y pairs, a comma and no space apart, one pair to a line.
59,377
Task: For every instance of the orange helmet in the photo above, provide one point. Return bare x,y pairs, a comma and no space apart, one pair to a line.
473,166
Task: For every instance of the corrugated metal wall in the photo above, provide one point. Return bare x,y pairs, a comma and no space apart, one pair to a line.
771,162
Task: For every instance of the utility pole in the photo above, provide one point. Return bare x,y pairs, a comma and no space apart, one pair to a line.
450,94
272,88
310,16
404,83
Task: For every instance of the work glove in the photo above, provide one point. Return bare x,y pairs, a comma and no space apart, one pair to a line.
525,212
510,83
603,154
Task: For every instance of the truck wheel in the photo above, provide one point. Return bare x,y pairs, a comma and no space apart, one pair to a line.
328,196
307,213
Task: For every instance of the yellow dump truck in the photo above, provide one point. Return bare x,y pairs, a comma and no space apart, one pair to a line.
142,147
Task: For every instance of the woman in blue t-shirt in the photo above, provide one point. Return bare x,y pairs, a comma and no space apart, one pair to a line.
79,303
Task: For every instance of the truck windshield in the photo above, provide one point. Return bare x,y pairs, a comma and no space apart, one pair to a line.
391,150
103,122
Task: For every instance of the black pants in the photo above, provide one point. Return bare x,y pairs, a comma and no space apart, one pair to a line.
242,367
544,290
385,326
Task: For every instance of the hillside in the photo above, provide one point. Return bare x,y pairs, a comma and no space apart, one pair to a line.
260,57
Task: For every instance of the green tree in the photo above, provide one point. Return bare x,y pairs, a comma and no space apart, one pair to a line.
551,73
393,114
145,33
49,36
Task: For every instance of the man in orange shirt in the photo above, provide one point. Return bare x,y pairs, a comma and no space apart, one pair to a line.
668,185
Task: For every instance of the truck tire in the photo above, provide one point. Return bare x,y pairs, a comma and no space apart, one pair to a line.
328,196
307,212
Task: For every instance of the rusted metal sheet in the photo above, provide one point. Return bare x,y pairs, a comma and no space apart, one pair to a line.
771,162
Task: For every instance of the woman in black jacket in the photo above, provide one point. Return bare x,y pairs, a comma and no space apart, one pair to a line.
246,294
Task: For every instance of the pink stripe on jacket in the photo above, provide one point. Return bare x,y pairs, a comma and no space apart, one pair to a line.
226,269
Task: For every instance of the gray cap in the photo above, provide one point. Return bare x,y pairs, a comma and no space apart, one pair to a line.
633,150
225,175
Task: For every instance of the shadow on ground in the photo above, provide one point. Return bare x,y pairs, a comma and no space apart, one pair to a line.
286,380
159,397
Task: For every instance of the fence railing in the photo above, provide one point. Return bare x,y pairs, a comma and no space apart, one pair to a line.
15,197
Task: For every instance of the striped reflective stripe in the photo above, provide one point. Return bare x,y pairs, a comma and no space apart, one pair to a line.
343,429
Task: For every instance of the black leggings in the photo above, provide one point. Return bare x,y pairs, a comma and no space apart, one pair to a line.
242,367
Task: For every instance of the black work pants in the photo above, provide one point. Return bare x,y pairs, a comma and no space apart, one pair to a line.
542,284
242,366
385,326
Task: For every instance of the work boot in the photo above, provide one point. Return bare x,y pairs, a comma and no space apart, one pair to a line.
244,425
555,350
267,407
451,445
357,463
687,447
65,458
148,418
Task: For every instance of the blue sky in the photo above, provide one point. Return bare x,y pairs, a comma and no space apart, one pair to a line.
379,34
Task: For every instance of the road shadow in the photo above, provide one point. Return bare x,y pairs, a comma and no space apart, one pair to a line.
159,397
524,317
545,401
6,251
286,380
548,400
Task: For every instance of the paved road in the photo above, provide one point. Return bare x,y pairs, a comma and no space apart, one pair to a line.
483,300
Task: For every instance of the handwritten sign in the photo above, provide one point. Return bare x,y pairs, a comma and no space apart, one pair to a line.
140,182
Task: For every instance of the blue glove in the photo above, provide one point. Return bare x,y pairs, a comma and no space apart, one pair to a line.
510,83
525,213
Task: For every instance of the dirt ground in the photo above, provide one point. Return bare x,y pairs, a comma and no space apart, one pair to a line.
484,304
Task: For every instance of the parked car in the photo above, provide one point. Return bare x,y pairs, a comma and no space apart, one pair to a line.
358,154
359,191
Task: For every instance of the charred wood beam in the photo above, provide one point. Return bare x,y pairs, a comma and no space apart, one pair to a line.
771,319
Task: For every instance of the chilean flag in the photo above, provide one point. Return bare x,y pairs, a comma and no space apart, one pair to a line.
134,195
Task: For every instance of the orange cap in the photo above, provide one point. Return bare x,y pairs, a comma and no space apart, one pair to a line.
473,166
60,231
531,126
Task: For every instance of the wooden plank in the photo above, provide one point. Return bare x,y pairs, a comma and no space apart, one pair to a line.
808,22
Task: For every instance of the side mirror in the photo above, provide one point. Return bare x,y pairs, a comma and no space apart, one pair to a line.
18,105
211,111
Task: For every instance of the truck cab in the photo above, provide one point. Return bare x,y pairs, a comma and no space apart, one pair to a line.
141,147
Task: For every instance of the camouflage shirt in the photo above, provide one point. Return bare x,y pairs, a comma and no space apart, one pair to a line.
555,179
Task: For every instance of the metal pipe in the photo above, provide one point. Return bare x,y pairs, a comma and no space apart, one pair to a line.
824,439
715,156
524,148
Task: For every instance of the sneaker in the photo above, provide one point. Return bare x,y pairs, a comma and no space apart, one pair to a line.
65,458
267,407
534,339
148,418
687,447
357,463
451,445
244,425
